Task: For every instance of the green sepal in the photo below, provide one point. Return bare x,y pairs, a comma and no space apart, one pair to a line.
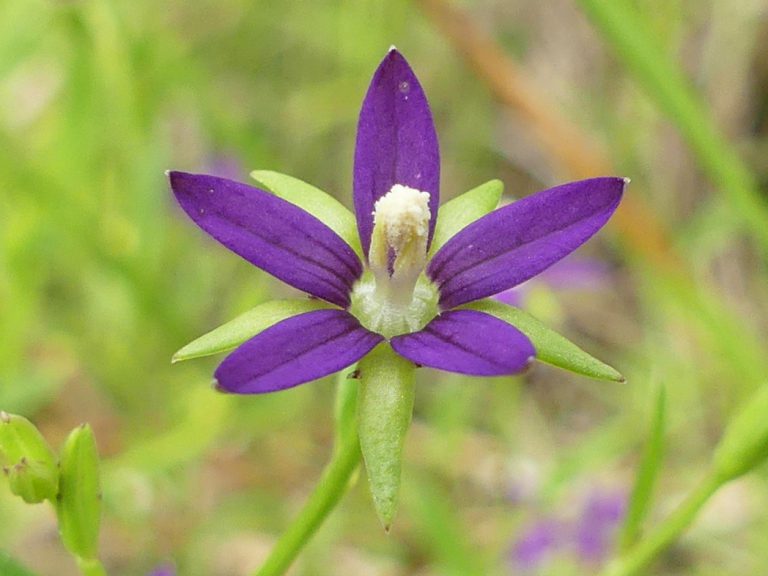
320,204
230,335
30,462
79,502
33,481
385,406
465,209
647,474
551,347
745,442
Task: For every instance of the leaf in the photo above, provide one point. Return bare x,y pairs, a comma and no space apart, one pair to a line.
642,492
230,335
551,347
385,406
465,209
320,204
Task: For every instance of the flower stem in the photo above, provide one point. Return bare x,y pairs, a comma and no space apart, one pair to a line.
646,550
91,567
332,486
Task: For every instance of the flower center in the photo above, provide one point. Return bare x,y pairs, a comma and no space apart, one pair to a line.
397,298
398,250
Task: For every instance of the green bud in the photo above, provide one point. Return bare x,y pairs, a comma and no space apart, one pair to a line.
745,442
79,502
30,463
385,406
32,481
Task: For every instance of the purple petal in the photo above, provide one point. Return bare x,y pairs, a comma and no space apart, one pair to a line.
518,241
468,342
396,143
163,571
536,545
297,350
273,234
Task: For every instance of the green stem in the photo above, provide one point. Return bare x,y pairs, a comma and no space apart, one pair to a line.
92,567
645,551
327,494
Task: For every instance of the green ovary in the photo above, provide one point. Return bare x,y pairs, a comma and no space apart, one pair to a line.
390,318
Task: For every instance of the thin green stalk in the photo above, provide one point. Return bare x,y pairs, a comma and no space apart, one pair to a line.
629,33
639,556
91,567
326,496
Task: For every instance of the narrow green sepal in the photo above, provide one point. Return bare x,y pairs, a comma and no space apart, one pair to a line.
465,209
33,481
647,474
320,204
385,406
551,347
30,463
79,502
233,333
745,442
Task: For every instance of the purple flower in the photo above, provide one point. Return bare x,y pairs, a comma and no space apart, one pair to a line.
388,289
165,570
597,526
536,545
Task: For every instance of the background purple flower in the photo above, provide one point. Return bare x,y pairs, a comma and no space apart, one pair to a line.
164,570
588,538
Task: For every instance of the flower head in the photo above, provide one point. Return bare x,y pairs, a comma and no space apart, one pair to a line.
396,285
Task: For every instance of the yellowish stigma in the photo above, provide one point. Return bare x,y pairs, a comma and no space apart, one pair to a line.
398,249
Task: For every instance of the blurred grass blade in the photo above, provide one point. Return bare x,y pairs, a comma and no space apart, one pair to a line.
444,532
629,33
318,203
10,567
465,209
642,492
247,325
551,347
744,444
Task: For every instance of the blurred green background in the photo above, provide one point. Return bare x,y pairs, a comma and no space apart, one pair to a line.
102,278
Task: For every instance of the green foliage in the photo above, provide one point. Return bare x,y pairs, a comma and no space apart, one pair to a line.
640,503
9,567
745,442
101,278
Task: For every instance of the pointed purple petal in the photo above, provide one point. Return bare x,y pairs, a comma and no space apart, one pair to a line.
396,143
273,234
294,351
468,342
518,241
